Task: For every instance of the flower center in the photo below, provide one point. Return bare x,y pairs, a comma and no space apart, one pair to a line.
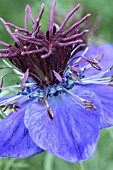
45,54
41,92
44,58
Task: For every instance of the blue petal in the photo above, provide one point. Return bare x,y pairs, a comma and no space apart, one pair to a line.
72,134
15,140
105,93
92,52
107,61
107,50
9,99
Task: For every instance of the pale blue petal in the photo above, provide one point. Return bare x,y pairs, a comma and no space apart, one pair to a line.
105,93
73,133
105,50
15,140
107,61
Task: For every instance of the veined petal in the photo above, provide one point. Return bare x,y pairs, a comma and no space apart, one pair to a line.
105,93
15,140
106,51
73,132
92,52
107,60
9,99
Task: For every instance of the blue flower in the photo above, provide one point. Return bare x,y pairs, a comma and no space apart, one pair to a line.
65,95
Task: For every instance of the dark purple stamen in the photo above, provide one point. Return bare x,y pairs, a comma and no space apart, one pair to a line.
4,44
4,50
25,79
75,25
9,31
18,28
36,26
75,36
45,55
51,21
28,11
68,17
58,77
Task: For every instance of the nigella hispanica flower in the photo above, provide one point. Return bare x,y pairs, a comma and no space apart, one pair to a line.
65,94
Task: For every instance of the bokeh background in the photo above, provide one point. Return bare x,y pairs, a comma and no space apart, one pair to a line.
102,13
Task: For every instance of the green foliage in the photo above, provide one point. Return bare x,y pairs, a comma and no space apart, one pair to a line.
102,9
13,164
13,11
102,159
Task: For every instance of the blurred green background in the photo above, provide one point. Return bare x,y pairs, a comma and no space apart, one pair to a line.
13,11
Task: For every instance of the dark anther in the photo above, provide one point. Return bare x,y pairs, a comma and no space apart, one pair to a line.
13,106
89,105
